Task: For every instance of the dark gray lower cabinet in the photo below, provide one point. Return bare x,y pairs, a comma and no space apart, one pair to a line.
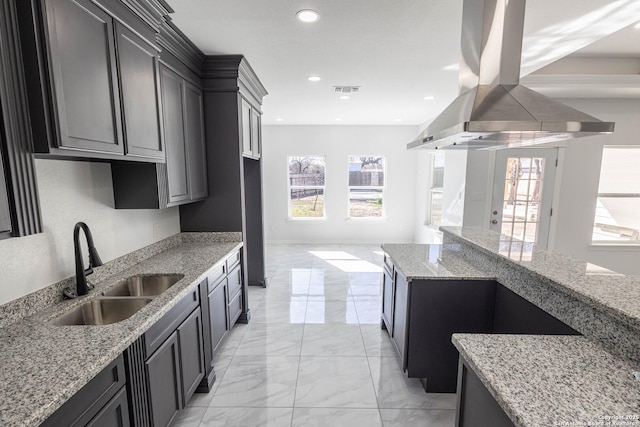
175,369
102,402
166,364
115,413
191,354
399,328
217,300
476,407
165,389
223,297
421,315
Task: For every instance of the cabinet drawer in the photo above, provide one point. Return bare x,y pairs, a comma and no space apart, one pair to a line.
233,260
234,282
215,276
164,327
235,308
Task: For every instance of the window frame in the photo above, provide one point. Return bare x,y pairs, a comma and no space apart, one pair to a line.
290,187
631,195
382,187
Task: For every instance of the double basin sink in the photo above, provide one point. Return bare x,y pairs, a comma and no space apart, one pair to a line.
120,301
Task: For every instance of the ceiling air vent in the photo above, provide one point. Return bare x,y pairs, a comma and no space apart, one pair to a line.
346,89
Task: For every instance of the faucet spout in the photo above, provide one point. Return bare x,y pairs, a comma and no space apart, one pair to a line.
94,259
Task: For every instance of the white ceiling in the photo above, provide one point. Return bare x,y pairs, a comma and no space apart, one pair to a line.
398,51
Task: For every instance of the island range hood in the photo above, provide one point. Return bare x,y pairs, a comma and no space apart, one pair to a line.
493,110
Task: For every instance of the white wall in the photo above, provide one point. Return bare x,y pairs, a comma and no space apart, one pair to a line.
578,185
337,143
72,191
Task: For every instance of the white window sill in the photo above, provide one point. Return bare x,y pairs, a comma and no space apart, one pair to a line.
615,246
310,219
371,219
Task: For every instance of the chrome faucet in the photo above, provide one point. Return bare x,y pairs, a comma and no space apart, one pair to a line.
82,286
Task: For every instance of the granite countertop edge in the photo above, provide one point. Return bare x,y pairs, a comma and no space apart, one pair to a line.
410,259
22,342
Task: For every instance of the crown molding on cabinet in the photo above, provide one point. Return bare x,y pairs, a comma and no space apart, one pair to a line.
232,73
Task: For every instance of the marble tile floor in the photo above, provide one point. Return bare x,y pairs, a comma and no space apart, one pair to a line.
313,353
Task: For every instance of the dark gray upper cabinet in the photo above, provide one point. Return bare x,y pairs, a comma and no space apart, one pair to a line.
139,76
194,136
94,87
84,77
183,179
173,121
251,135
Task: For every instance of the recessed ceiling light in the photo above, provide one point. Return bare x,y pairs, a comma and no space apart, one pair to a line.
429,98
307,15
279,119
314,78
338,119
398,120
344,96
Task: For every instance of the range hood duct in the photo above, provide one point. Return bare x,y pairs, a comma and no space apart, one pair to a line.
493,110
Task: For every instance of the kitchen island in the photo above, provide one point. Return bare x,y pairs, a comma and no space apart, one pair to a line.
527,381
44,365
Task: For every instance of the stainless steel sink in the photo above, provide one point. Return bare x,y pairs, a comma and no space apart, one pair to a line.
143,285
102,311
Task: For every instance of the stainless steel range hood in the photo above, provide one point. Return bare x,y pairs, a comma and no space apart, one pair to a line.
493,110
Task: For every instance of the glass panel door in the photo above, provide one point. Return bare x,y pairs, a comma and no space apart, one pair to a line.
522,194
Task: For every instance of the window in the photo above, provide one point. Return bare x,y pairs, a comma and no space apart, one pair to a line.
306,186
617,217
435,190
366,187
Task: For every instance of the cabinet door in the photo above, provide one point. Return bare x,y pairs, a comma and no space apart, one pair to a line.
84,76
399,328
194,136
246,128
139,75
191,354
173,121
256,134
387,300
114,414
165,390
218,315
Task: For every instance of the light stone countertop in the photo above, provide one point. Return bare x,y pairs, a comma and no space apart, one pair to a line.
544,381
425,262
42,365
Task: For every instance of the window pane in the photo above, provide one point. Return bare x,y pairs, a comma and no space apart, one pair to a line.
620,172
617,218
366,171
307,203
618,206
365,203
306,186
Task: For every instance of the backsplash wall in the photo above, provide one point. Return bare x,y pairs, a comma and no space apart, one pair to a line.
72,191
